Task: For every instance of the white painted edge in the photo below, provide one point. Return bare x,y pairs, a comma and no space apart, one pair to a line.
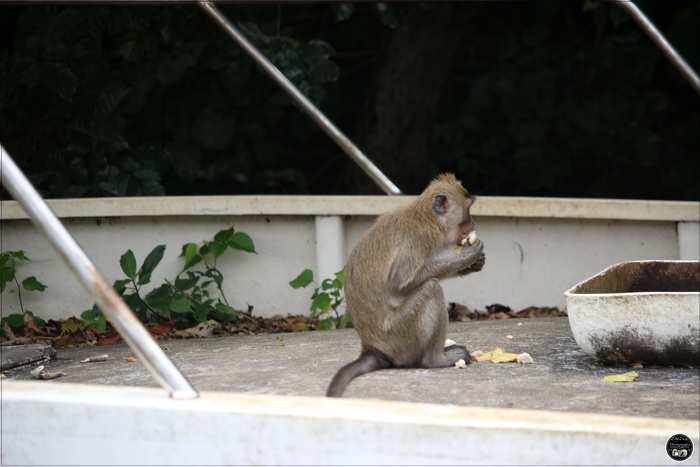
272,205
63,422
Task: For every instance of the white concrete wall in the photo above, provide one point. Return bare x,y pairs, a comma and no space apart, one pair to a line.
536,248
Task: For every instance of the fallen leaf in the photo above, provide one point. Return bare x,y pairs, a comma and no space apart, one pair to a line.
622,378
131,359
29,322
200,330
109,340
161,329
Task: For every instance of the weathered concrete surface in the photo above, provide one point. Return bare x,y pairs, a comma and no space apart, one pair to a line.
12,356
562,377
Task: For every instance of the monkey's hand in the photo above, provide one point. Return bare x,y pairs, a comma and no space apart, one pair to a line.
476,267
472,258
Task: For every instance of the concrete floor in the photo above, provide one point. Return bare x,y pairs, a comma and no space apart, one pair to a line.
562,378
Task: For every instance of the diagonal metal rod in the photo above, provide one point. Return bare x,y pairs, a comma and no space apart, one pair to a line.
661,42
118,313
301,100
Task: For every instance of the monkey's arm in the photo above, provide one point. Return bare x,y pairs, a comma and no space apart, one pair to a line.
408,274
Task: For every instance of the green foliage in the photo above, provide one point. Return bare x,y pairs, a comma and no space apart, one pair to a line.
8,273
326,297
93,319
571,98
18,321
144,101
195,295
569,115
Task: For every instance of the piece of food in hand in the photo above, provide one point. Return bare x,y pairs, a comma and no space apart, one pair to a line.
471,238
461,363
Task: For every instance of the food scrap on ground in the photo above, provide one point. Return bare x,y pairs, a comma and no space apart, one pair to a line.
97,358
461,363
622,378
40,373
499,356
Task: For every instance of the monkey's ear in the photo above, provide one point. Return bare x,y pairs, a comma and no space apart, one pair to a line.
440,203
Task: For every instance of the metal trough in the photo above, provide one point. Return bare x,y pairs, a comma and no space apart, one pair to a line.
639,312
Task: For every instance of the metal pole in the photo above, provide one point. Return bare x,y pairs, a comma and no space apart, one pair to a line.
311,110
661,42
118,313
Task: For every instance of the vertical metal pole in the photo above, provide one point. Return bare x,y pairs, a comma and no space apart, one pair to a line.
118,313
661,42
311,110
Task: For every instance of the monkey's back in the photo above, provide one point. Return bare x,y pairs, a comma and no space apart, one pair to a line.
370,292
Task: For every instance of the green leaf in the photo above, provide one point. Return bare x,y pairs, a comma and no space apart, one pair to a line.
31,284
223,236
325,324
189,251
71,325
345,320
339,279
216,275
152,260
121,284
321,302
14,320
128,264
225,309
180,304
7,274
201,312
189,282
94,319
217,248
161,297
303,279
20,256
134,302
242,241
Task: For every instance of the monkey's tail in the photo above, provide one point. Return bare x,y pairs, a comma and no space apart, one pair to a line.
369,360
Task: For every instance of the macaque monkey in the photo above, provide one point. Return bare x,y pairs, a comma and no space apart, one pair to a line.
392,284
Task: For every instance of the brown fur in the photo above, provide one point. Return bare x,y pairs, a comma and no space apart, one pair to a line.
391,282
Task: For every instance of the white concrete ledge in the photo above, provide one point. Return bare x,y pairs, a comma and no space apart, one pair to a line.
67,424
496,206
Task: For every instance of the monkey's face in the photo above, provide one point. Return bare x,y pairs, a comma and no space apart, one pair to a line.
453,212
452,204
467,225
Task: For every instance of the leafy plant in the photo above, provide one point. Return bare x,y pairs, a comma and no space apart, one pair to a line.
8,273
326,297
190,298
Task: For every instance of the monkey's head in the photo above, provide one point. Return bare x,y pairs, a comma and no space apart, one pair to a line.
451,202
